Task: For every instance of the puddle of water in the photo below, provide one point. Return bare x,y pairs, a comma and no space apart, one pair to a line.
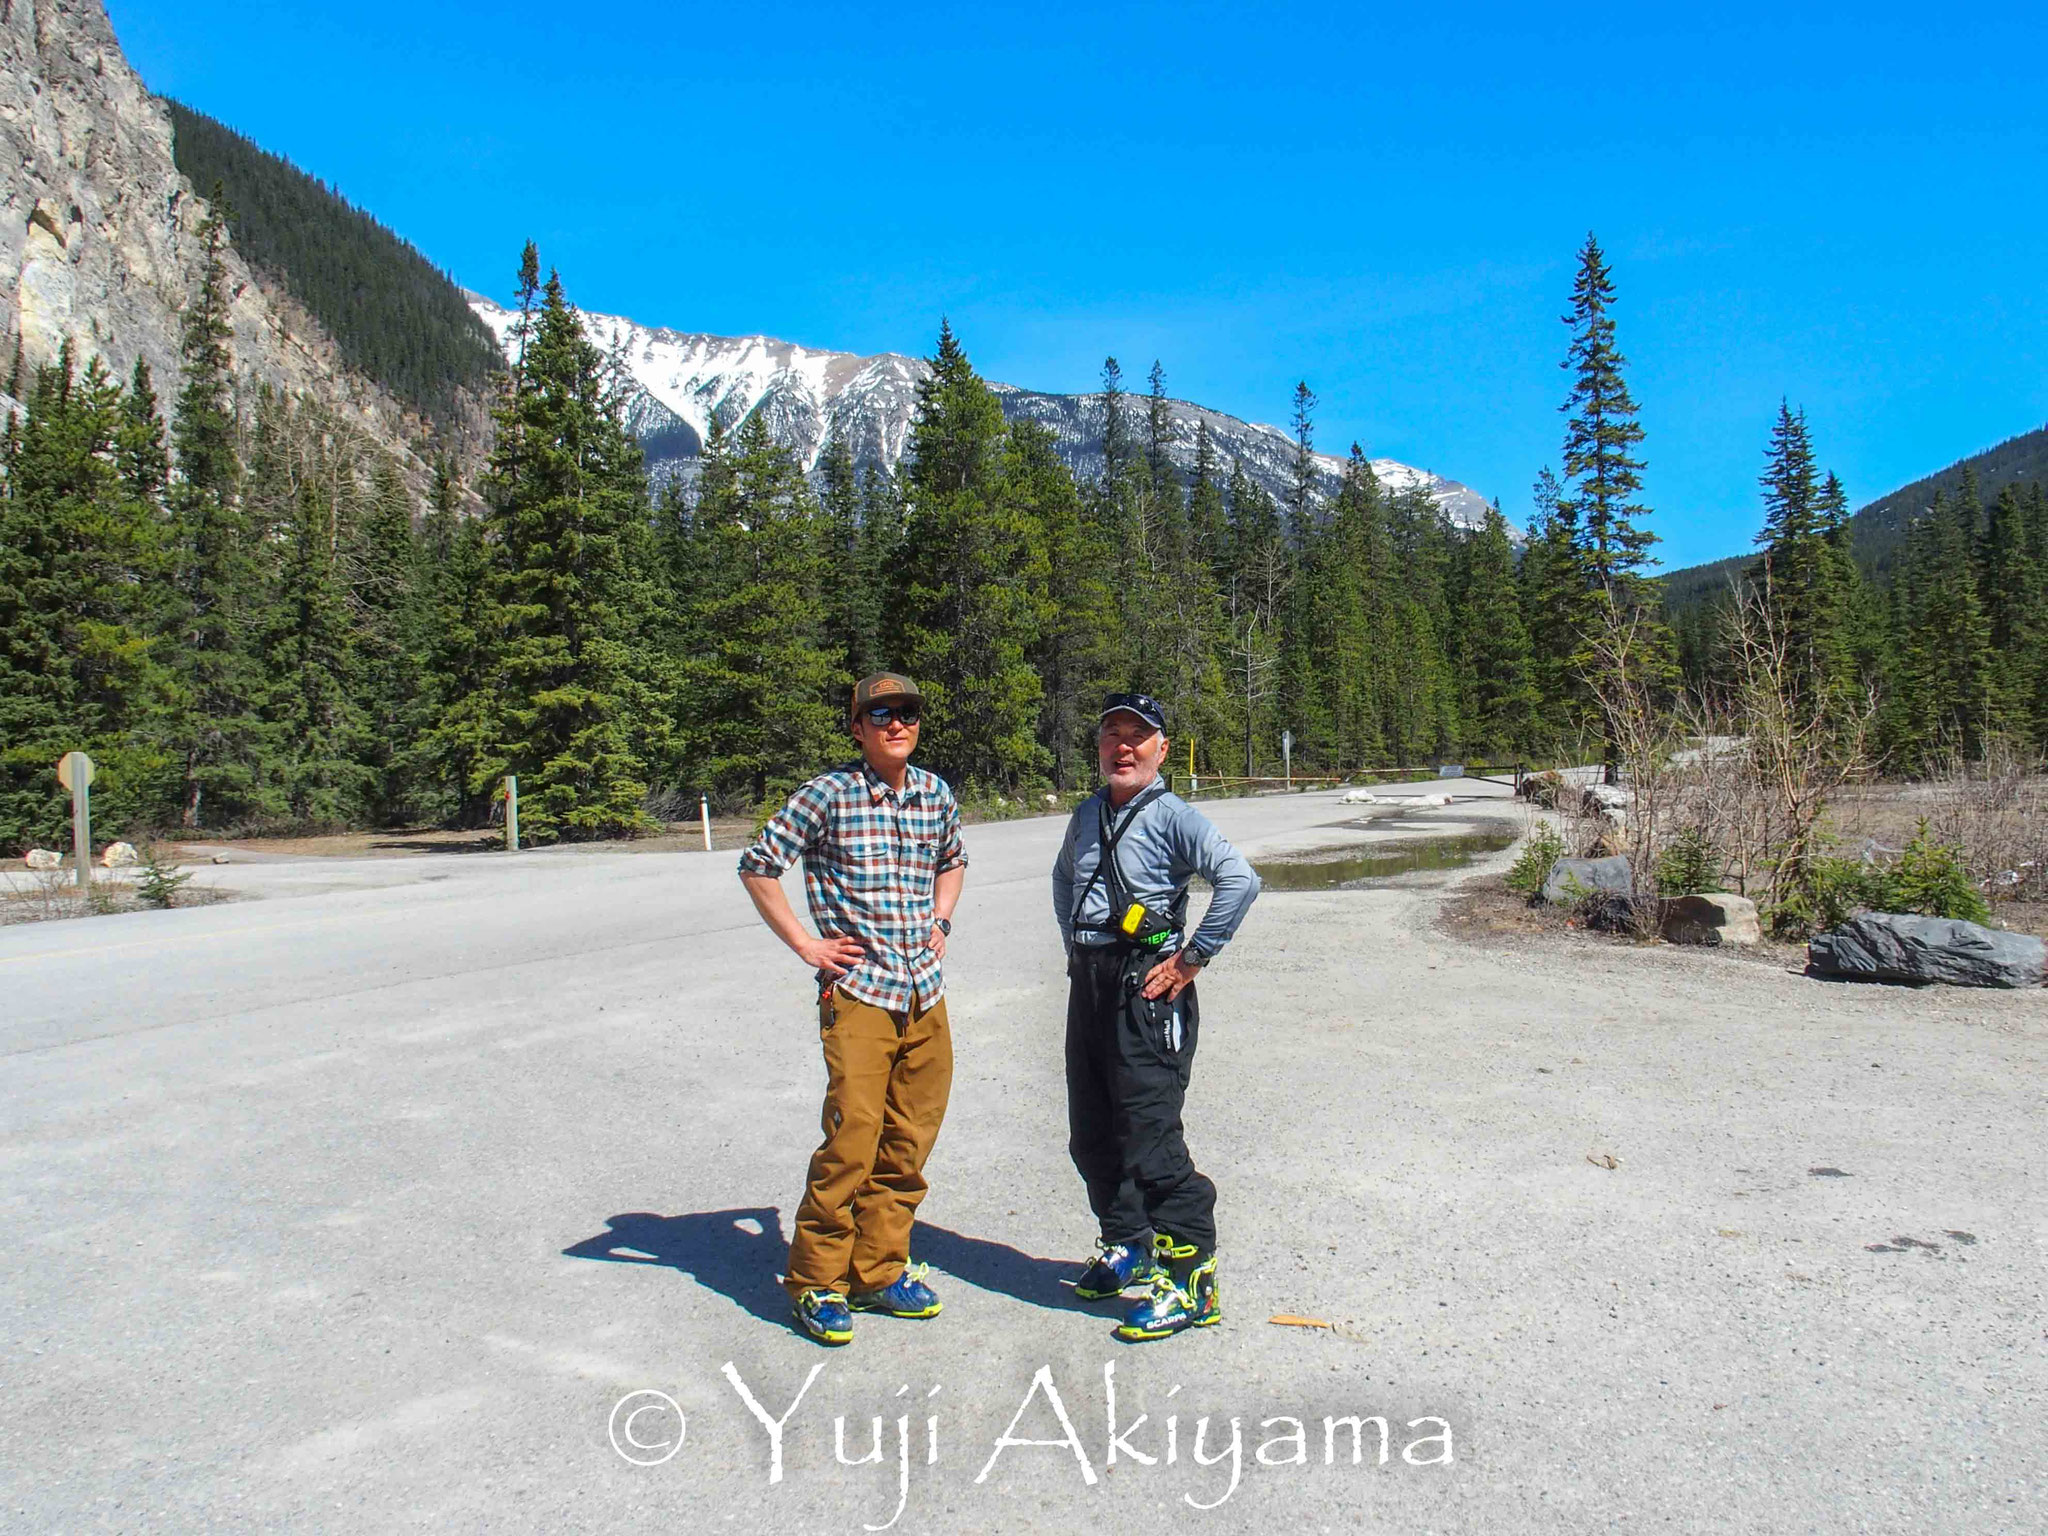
1346,868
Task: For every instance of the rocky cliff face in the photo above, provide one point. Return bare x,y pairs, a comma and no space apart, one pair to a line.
808,397
99,239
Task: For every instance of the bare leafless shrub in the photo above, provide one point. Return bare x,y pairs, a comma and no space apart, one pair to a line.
1995,811
1626,677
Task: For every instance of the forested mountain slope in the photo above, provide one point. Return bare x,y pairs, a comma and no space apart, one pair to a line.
1879,529
392,313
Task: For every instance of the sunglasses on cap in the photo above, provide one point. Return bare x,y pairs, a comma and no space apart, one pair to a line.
1143,705
882,714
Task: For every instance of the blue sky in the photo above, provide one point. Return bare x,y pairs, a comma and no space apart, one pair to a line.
1838,205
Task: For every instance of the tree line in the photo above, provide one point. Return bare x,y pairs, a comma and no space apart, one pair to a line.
251,621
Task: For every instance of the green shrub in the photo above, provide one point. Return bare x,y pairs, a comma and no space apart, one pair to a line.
1931,878
1830,891
157,883
1928,878
1691,866
1533,865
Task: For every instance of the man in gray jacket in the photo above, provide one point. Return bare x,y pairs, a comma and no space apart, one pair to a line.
1120,894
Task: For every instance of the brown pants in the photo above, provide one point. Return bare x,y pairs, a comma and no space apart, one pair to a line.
888,1075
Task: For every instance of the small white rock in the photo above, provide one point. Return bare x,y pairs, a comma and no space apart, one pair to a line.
119,855
44,858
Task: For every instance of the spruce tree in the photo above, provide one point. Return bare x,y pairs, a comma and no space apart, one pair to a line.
1299,700
569,530
1262,571
300,493
974,579
1208,511
765,698
1602,473
216,567
1158,431
1557,605
1074,653
1802,573
2016,614
854,591
1351,644
81,559
1500,694
386,612
454,738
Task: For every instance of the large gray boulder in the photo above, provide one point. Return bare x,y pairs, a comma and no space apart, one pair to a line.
1574,879
1718,918
1888,946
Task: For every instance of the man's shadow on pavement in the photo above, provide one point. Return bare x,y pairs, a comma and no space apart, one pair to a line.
740,1253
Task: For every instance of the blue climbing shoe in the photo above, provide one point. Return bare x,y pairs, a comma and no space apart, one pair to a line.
905,1296
823,1316
1116,1268
1183,1296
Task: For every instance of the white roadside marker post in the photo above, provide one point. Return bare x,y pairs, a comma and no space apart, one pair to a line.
511,813
74,772
704,815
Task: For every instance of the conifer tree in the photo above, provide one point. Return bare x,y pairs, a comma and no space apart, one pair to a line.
1601,471
455,739
386,614
1208,512
2016,615
1557,605
1802,573
140,452
299,492
766,695
1073,653
1500,695
1942,678
80,560
1158,431
1299,700
1116,432
1262,571
568,528
854,590
216,573
1351,643
974,567
1602,477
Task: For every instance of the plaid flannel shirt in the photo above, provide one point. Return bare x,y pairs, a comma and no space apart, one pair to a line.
870,860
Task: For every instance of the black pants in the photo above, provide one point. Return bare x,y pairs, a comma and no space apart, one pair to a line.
1128,1060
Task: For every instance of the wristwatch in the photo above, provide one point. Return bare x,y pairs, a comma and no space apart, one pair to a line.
945,926
1193,958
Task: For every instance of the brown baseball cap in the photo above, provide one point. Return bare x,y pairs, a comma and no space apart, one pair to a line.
882,686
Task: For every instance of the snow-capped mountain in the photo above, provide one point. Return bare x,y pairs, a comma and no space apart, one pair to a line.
807,397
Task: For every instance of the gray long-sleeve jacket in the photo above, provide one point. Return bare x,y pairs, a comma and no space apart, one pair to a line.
1167,844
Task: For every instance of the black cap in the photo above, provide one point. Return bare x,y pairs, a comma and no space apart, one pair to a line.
1143,705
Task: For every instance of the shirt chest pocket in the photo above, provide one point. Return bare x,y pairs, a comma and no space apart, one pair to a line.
866,857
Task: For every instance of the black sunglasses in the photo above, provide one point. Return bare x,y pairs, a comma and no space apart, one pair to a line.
882,714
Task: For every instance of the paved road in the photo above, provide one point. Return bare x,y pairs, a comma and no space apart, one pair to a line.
360,1206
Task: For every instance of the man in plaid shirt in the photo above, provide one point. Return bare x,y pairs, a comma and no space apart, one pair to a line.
883,867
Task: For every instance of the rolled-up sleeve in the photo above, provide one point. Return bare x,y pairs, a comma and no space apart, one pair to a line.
952,852
791,832
1230,872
